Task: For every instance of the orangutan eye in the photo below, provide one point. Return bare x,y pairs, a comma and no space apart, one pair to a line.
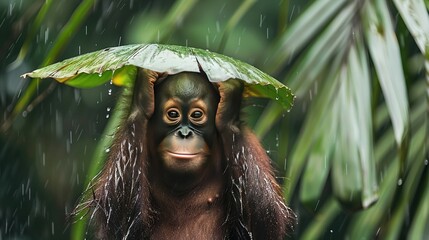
196,114
173,114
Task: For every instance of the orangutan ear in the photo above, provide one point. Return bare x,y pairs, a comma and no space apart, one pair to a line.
228,111
143,101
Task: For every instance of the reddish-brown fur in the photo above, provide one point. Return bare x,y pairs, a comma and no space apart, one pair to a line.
243,201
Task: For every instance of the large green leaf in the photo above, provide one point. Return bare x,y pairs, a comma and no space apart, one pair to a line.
384,50
165,58
354,174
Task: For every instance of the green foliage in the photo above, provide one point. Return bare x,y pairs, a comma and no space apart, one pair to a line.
96,68
356,143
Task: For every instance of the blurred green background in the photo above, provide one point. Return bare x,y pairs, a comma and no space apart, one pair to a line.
352,154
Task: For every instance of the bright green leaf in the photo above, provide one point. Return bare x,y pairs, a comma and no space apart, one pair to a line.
169,59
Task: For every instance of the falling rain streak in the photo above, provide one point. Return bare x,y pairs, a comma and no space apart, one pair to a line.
261,20
51,34
46,35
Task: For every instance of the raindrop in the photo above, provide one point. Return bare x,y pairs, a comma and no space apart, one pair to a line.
11,6
261,20
77,97
277,140
107,116
46,35
79,50
24,114
110,91
53,228
400,182
100,74
378,231
108,109
331,231
107,150
317,205
291,15
86,30
222,8
426,162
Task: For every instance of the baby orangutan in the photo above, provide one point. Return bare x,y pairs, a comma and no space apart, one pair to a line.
183,166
